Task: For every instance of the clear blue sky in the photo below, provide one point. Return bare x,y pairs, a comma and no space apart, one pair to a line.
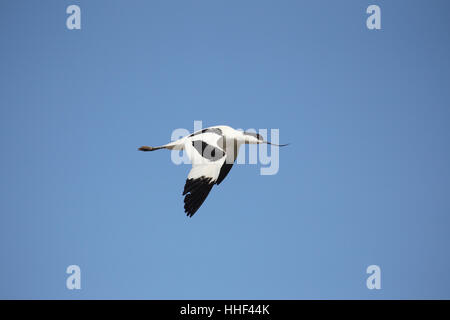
365,181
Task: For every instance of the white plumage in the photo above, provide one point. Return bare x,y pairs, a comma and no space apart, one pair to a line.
212,152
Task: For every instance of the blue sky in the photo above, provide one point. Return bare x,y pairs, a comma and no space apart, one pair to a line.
365,181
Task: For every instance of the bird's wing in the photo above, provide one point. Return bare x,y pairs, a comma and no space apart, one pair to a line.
207,159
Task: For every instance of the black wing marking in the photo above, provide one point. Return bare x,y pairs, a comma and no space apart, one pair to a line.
208,151
229,161
196,191
226,167
212,130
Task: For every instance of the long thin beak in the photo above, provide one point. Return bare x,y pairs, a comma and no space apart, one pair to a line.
278,145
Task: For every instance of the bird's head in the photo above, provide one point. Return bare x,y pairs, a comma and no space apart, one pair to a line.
256,138
252,138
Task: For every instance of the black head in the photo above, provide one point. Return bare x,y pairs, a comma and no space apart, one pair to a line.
257,136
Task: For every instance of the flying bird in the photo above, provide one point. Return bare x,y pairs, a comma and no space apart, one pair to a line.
212,152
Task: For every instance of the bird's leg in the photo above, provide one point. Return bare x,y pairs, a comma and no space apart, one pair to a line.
147,148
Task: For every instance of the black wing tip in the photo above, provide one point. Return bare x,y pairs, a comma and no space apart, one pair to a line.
196,191
189,214
189,210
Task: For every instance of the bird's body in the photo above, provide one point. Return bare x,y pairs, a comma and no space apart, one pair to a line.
212,152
